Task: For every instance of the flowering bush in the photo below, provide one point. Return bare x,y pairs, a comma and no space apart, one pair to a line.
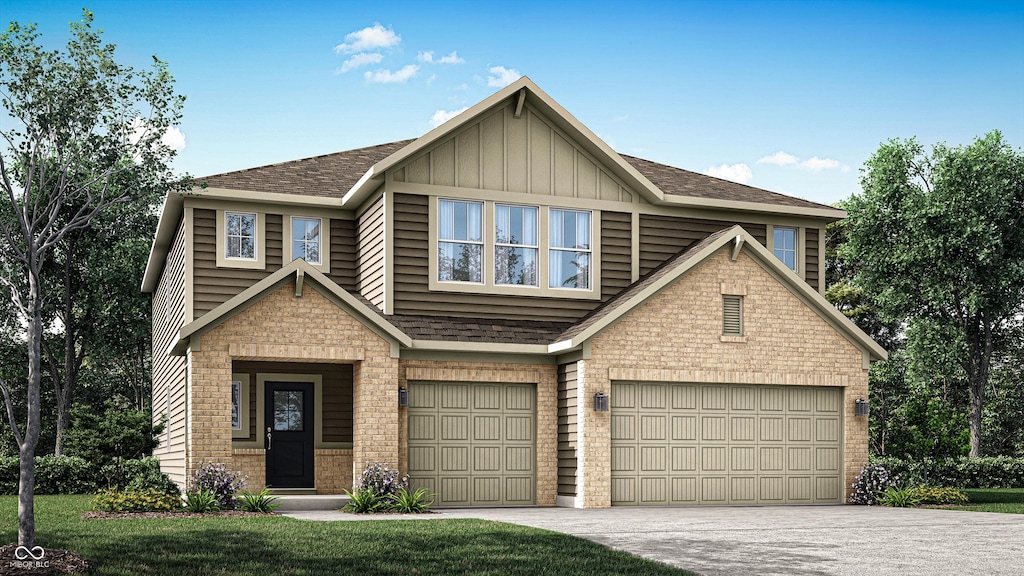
873,481
219,481
132,500
381,479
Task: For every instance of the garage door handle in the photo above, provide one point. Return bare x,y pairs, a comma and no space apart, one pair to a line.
268,438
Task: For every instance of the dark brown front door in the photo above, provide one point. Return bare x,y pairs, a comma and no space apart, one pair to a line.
288,434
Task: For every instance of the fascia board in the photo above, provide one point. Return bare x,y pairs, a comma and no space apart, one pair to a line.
695,202
170,215
445,345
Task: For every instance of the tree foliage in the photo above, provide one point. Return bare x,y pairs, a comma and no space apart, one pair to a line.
937,241
85,136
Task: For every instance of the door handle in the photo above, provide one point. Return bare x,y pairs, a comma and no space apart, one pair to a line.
268,438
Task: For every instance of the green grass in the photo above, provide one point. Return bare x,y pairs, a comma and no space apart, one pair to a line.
1005,500
278,545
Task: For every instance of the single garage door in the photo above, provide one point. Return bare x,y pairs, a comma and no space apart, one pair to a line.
725,444
473,444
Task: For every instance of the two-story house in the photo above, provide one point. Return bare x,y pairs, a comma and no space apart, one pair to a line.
511,312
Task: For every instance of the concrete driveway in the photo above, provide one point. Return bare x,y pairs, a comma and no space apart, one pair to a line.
793,540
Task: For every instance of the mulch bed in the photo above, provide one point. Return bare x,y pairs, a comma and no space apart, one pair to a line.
52,561
222,513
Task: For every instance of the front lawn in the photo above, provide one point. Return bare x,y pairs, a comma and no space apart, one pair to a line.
1007,500
278,545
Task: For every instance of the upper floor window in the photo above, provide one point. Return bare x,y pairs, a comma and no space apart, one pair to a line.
784,242
240,237
570,249
460,244
515,245
306,239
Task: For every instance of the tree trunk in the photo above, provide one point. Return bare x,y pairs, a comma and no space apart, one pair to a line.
980,340
27,476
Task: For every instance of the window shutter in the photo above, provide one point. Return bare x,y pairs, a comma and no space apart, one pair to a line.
732,315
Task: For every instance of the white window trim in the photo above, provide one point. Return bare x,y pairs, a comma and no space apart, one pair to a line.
325,240
487,233
798,245
486,223
242,431
589,251
257,263
537,246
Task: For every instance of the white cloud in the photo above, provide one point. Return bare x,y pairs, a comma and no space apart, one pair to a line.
173,138
442,116
369,38
815,164
501,76
736,172
427,56
360,60
388,77
452,58
780,158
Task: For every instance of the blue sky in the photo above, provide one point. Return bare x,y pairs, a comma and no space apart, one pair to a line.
788,96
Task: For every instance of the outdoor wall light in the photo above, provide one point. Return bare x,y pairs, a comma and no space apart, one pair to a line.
862,408
600,402
403,397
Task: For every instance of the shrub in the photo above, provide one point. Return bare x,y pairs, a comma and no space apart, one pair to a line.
874,479
54,475
116,432
962,472
261,501
899,497
366,501
939,495
219,481
147,500
381,480
202,501
138,474
411,502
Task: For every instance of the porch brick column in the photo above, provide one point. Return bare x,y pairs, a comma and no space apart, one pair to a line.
209,406
374,412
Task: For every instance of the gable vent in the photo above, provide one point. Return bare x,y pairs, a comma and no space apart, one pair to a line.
732,315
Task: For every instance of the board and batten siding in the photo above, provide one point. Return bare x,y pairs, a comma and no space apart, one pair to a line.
170,372
504,153
811,245
212,286
411,270
336,407
661,237
370,254
567,409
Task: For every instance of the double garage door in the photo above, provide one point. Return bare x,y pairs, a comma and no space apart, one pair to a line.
725,444
473,444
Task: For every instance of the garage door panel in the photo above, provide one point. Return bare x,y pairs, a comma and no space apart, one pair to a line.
473,444
653,427
653,459
725,444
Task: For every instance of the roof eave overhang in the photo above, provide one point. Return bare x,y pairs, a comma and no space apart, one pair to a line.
755,207
170,216
374,176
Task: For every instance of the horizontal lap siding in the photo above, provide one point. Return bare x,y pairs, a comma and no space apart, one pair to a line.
170,372
616,252
663,236
370,255
811,258
213,286
411,269
567,422
337,394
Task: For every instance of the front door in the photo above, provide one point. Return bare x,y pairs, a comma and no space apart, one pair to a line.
288,434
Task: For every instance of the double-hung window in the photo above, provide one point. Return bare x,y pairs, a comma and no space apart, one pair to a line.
241,236
785,246
460,247
515,245
306,239
569,254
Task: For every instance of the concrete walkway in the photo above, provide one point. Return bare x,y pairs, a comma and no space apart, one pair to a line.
781,540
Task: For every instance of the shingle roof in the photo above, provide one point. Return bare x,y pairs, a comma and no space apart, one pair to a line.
327,176
679,182
332,175
622,298
478,329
